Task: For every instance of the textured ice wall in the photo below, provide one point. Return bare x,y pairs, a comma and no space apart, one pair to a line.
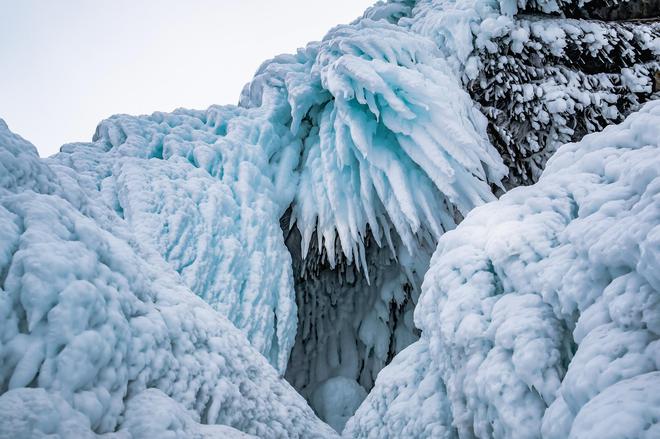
365,136
349,326
197,185
540,314
98,334
380,112
340,132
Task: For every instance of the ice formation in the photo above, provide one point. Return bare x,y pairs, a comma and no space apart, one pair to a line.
540,313
306,217
542,73
98,335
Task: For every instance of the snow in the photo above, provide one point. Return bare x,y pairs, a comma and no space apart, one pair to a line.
539,312
408,400
183,189
585,74
150,414
99,335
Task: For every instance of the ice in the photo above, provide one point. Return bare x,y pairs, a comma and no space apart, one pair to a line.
185,264
207,203
388,126
335,138
98,335
632,408
35,413
540,311
337,133
368,145
349,327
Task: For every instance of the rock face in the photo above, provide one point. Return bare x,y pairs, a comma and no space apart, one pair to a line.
172,273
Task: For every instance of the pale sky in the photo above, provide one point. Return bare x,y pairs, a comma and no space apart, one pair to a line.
67,64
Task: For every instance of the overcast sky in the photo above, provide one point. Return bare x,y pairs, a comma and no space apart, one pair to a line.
68,64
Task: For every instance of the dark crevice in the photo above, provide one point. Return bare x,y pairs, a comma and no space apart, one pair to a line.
348,326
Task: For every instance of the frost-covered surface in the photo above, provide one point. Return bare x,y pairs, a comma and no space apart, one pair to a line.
151,414
541,79
380,112
336,399
98,334
369,146
408,400
306,215
541,312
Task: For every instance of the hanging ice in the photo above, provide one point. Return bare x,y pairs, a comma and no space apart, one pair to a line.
335,136
340,132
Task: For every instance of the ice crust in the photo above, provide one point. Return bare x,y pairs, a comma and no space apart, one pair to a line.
540,313
336,399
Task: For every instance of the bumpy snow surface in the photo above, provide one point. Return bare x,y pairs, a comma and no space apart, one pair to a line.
174,275
540,313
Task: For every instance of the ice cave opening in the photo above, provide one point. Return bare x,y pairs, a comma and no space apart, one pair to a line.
353,317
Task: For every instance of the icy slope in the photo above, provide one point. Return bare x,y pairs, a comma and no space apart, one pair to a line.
540,313
207,203
98,334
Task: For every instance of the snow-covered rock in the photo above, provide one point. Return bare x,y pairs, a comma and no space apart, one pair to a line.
540,313
541,78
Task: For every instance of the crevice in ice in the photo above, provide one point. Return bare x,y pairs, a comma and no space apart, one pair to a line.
353,318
